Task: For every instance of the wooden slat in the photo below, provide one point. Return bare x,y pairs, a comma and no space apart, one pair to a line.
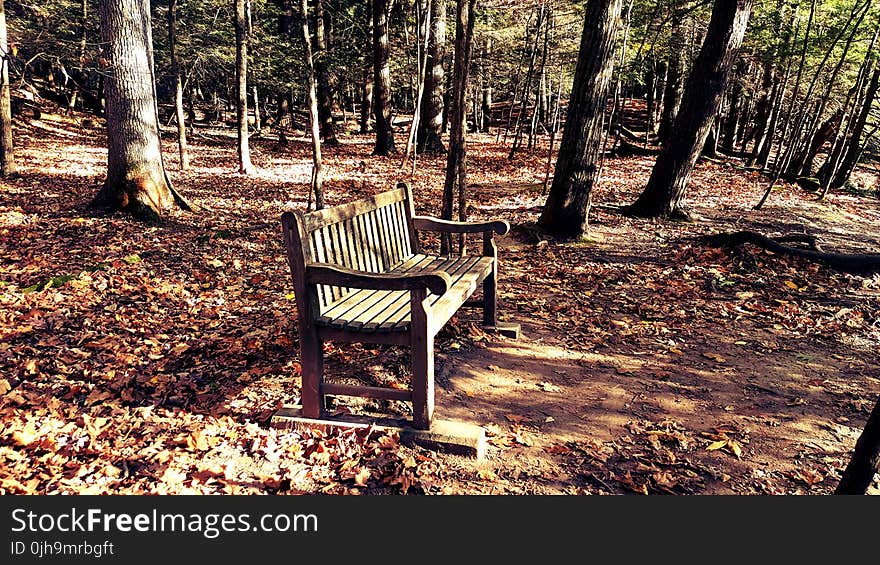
363,244
360,318
320,218
317,245
404,228
466,274
396,319
378,245
366,391
354,310
393,239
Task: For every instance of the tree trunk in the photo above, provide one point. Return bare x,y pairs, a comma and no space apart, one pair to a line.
865,461
762,111
456,161
487,85
7,149
136,179
854,148
178,86
258,119
321,50
314,119
382,81
567,208
665,193
674,81
367,97
242,33
431,118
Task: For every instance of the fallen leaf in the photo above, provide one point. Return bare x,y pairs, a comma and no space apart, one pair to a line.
713,356
362,476
716,445
735,448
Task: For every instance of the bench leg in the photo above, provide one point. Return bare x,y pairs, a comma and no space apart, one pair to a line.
422,343
490,298
312,355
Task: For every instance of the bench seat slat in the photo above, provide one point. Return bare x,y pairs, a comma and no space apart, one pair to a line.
389,311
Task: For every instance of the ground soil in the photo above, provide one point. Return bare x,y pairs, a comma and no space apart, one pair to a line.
647,362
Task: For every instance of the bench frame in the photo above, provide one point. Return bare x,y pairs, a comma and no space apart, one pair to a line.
425,321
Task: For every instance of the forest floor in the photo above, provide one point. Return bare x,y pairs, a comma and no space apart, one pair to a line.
149,358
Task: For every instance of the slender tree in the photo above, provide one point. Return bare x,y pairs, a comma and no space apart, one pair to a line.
431,118
577,167
456,160
178,86
674,79
136,179
7,150
382,81
314,114
242,37
665,193
321,52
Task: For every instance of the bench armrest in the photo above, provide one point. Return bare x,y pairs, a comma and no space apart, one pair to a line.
427,223
323,273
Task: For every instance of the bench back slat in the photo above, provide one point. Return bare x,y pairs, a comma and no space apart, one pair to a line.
373,234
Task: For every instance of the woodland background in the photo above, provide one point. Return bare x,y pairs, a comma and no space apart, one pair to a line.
144,350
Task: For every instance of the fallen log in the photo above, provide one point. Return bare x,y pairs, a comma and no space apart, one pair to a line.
858,263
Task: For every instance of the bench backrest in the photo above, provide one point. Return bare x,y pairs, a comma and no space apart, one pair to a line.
373,234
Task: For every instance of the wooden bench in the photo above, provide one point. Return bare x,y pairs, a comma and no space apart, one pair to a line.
359,275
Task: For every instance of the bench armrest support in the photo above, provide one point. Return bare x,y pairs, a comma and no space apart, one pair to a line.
322,273
427,223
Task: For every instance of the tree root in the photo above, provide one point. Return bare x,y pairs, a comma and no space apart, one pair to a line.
859,263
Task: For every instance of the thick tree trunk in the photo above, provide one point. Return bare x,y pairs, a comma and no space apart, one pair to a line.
178,86
382,81
674,81
321,50
456,161
865,461
567,208
7,149
240,20
665,193
136,180
431,118
314,119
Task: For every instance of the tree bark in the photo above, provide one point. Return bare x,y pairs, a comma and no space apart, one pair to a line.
321,52
242,34
178,86
666,190
431,114
314,114
567,208
456,161
7,149
865,461
382,81
674,81
136,180
367,97
854,148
